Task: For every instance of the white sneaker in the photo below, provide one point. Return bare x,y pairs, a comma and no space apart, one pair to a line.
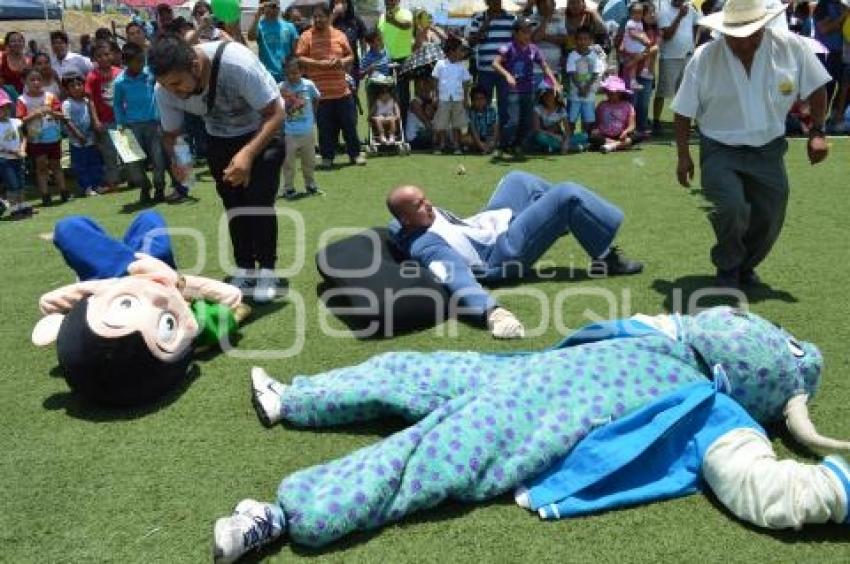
266,287
266,395
243,278
252,525
91,192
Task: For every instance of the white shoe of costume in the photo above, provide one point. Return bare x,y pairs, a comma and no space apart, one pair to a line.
266,395
252,525
266,287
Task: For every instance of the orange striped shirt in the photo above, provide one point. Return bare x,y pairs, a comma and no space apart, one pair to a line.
322,46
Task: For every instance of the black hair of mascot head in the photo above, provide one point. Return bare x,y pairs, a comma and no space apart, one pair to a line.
114,371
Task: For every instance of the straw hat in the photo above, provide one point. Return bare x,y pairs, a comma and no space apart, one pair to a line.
741,18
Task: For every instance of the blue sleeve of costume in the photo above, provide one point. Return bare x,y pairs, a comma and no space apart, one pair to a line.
605,330
459,280
653,454
424,249
94,255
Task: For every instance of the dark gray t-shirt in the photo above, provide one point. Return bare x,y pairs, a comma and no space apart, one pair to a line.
244,88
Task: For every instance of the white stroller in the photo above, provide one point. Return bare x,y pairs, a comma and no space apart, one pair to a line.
377,83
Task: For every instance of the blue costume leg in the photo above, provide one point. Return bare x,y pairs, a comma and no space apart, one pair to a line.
89,251
473,447
94,255
148,233
565,208
407,384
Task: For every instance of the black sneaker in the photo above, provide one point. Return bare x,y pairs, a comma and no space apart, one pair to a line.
145,197
615,264
159,196
65,197
288,194
656,128
313,190
749,277
728,279
178,194
46,200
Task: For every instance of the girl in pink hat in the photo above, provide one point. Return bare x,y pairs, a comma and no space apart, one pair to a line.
615,117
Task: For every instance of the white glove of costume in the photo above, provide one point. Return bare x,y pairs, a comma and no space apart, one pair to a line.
503,325
744,473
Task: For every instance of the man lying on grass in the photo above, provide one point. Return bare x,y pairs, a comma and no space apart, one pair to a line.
524,217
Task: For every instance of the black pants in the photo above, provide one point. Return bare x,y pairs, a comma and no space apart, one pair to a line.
835,67
333,116
254,237
403,92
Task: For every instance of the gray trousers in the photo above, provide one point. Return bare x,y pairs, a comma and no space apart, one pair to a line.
150,139
747,189
111,166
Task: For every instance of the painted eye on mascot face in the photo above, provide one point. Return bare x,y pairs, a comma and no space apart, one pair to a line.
121,306
167,327
796,349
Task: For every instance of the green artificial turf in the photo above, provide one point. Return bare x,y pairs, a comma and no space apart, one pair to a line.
83,485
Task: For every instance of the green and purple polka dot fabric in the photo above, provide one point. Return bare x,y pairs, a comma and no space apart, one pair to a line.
484,423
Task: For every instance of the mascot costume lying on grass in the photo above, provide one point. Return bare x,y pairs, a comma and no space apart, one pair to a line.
124,333
620,413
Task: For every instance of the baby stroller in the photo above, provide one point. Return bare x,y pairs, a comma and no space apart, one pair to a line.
376,84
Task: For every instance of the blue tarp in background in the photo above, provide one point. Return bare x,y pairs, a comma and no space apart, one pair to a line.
28,10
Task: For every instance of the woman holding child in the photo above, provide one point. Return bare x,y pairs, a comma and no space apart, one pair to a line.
646,80
13,61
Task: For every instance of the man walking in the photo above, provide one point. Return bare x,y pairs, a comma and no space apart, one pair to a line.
739,89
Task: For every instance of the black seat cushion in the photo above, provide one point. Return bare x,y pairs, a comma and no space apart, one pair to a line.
374,289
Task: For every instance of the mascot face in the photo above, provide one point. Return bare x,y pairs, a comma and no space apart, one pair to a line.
152,308
155,309
764,363
126,343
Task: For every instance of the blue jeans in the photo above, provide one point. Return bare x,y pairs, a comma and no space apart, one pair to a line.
543,212
641,102
88,167
94,255
12,174
333,116
520,115
492,81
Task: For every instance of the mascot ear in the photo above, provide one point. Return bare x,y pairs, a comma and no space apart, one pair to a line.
45,331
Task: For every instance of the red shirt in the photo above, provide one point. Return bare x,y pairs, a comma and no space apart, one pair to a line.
10,76
100,90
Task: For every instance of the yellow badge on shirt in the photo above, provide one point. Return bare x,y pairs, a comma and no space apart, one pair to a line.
786,87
